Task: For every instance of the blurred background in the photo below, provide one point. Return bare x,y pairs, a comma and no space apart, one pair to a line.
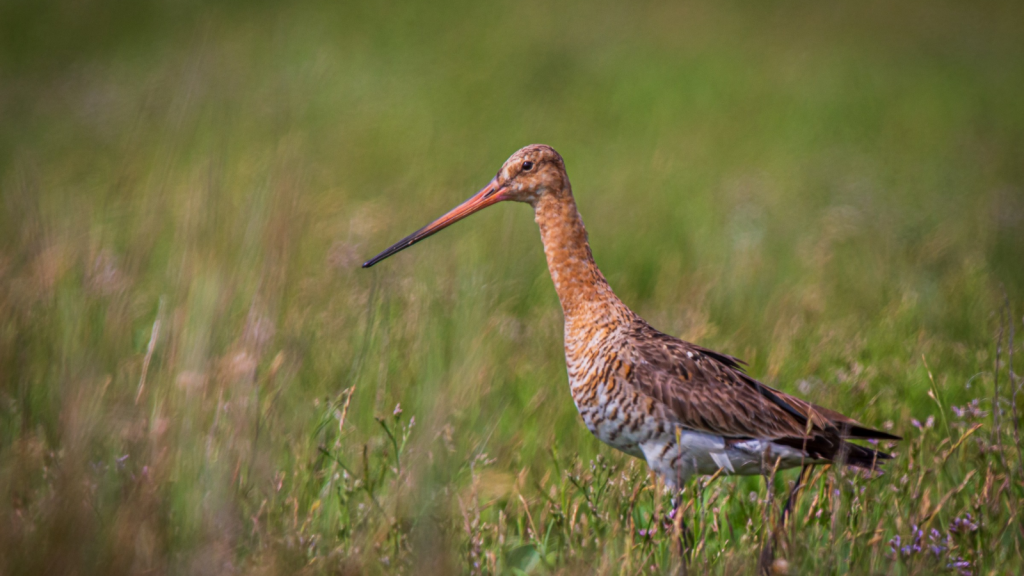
197,377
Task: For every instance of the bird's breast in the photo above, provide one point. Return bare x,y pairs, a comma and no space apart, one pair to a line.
612,409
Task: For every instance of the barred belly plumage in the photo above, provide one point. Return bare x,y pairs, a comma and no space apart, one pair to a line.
612,410
611,419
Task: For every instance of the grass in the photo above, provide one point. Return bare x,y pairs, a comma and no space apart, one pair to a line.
196,377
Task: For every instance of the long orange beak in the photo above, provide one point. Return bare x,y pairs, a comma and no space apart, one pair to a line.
491,194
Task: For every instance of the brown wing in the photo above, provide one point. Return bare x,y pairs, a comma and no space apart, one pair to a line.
709,392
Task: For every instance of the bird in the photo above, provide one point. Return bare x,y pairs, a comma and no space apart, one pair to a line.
683,408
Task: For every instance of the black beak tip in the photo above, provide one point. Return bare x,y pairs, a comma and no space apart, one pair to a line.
368,263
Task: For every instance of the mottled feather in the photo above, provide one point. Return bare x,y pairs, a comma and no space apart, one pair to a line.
709,392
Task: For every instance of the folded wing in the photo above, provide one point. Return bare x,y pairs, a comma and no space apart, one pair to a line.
710,392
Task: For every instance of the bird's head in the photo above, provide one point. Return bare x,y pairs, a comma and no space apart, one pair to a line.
528,175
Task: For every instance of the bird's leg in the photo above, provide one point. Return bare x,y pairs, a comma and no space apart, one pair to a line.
787,510
682,532
768,470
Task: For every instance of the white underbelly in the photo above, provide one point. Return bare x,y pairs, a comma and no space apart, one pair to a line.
679,458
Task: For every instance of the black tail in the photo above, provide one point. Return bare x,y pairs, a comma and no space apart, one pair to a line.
860,456
836,449
864,433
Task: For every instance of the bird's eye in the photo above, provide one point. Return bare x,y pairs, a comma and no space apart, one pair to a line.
527,166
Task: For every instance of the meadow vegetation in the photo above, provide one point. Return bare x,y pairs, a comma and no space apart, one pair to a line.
196,377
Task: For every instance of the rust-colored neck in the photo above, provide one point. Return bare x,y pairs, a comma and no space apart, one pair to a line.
581,287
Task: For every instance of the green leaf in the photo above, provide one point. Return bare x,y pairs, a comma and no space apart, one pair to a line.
523,559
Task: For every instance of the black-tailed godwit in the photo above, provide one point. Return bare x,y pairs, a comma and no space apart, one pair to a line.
683,408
